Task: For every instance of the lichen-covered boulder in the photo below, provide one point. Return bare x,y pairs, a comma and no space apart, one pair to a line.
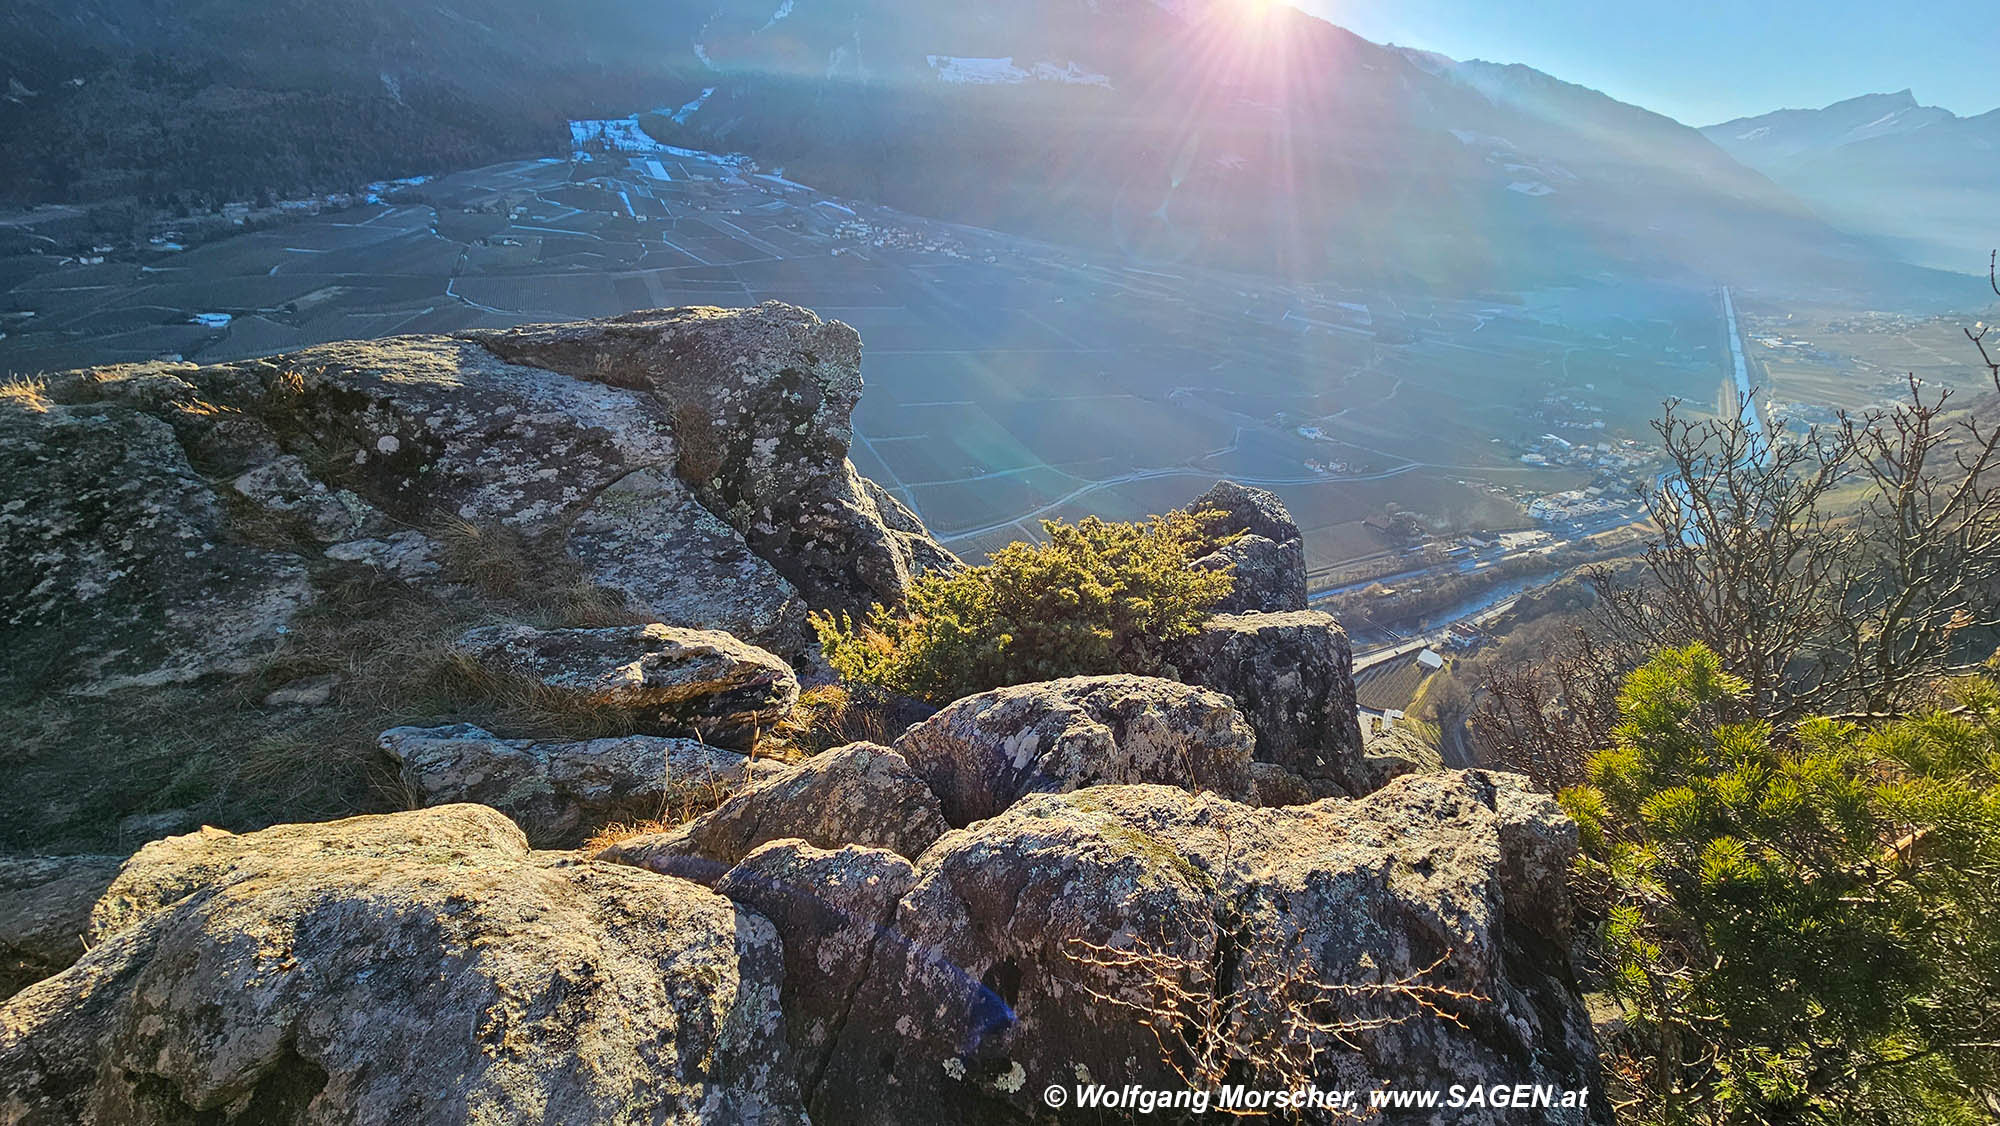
1422,927
162,522
1256,540
413,968
697,683
985,752
761,402
1397,751
45,904
116,566
832,908
860,794
559,793
1292,677
647,536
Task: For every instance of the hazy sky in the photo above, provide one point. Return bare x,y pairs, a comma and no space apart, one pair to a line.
1705,61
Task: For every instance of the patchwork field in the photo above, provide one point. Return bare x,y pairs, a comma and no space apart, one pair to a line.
1008,381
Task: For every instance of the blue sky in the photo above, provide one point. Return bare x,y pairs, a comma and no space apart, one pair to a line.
1705,61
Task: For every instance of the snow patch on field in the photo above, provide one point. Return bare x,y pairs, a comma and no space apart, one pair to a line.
682,114
1071,74
374,192
977,72
1003,72
1531,188
784,9
1470,137
622,134
211,320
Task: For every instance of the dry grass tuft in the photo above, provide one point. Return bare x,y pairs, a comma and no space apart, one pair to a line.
537,577
814,724
31,394
288,384
493,558
679,804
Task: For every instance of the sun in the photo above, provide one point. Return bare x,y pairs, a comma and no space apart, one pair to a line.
1254,12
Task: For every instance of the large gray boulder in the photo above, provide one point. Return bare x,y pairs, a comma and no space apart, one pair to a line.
1129,934
559,793
987,751
833,909
1292,677
45,904
413,968
1256,540
698,683
648,537
162,522
761,404
860,794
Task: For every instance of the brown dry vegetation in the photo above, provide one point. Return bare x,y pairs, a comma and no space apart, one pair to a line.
29,393
679,804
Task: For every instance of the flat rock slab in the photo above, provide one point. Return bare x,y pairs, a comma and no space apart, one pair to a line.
560,793
116,568
697,683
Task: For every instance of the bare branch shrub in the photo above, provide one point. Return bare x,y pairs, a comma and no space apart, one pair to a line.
1261,1011
1848,570
1544,718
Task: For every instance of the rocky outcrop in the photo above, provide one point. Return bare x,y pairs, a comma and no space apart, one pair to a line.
833,908
1256,540
1292,676
859,794
647,536
985,752
697,683
412,968
761,406
559,793
116,569
1031,948
163,522
45,904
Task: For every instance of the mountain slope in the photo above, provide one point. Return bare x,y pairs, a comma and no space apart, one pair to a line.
1246,136
1921,179
1266,139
